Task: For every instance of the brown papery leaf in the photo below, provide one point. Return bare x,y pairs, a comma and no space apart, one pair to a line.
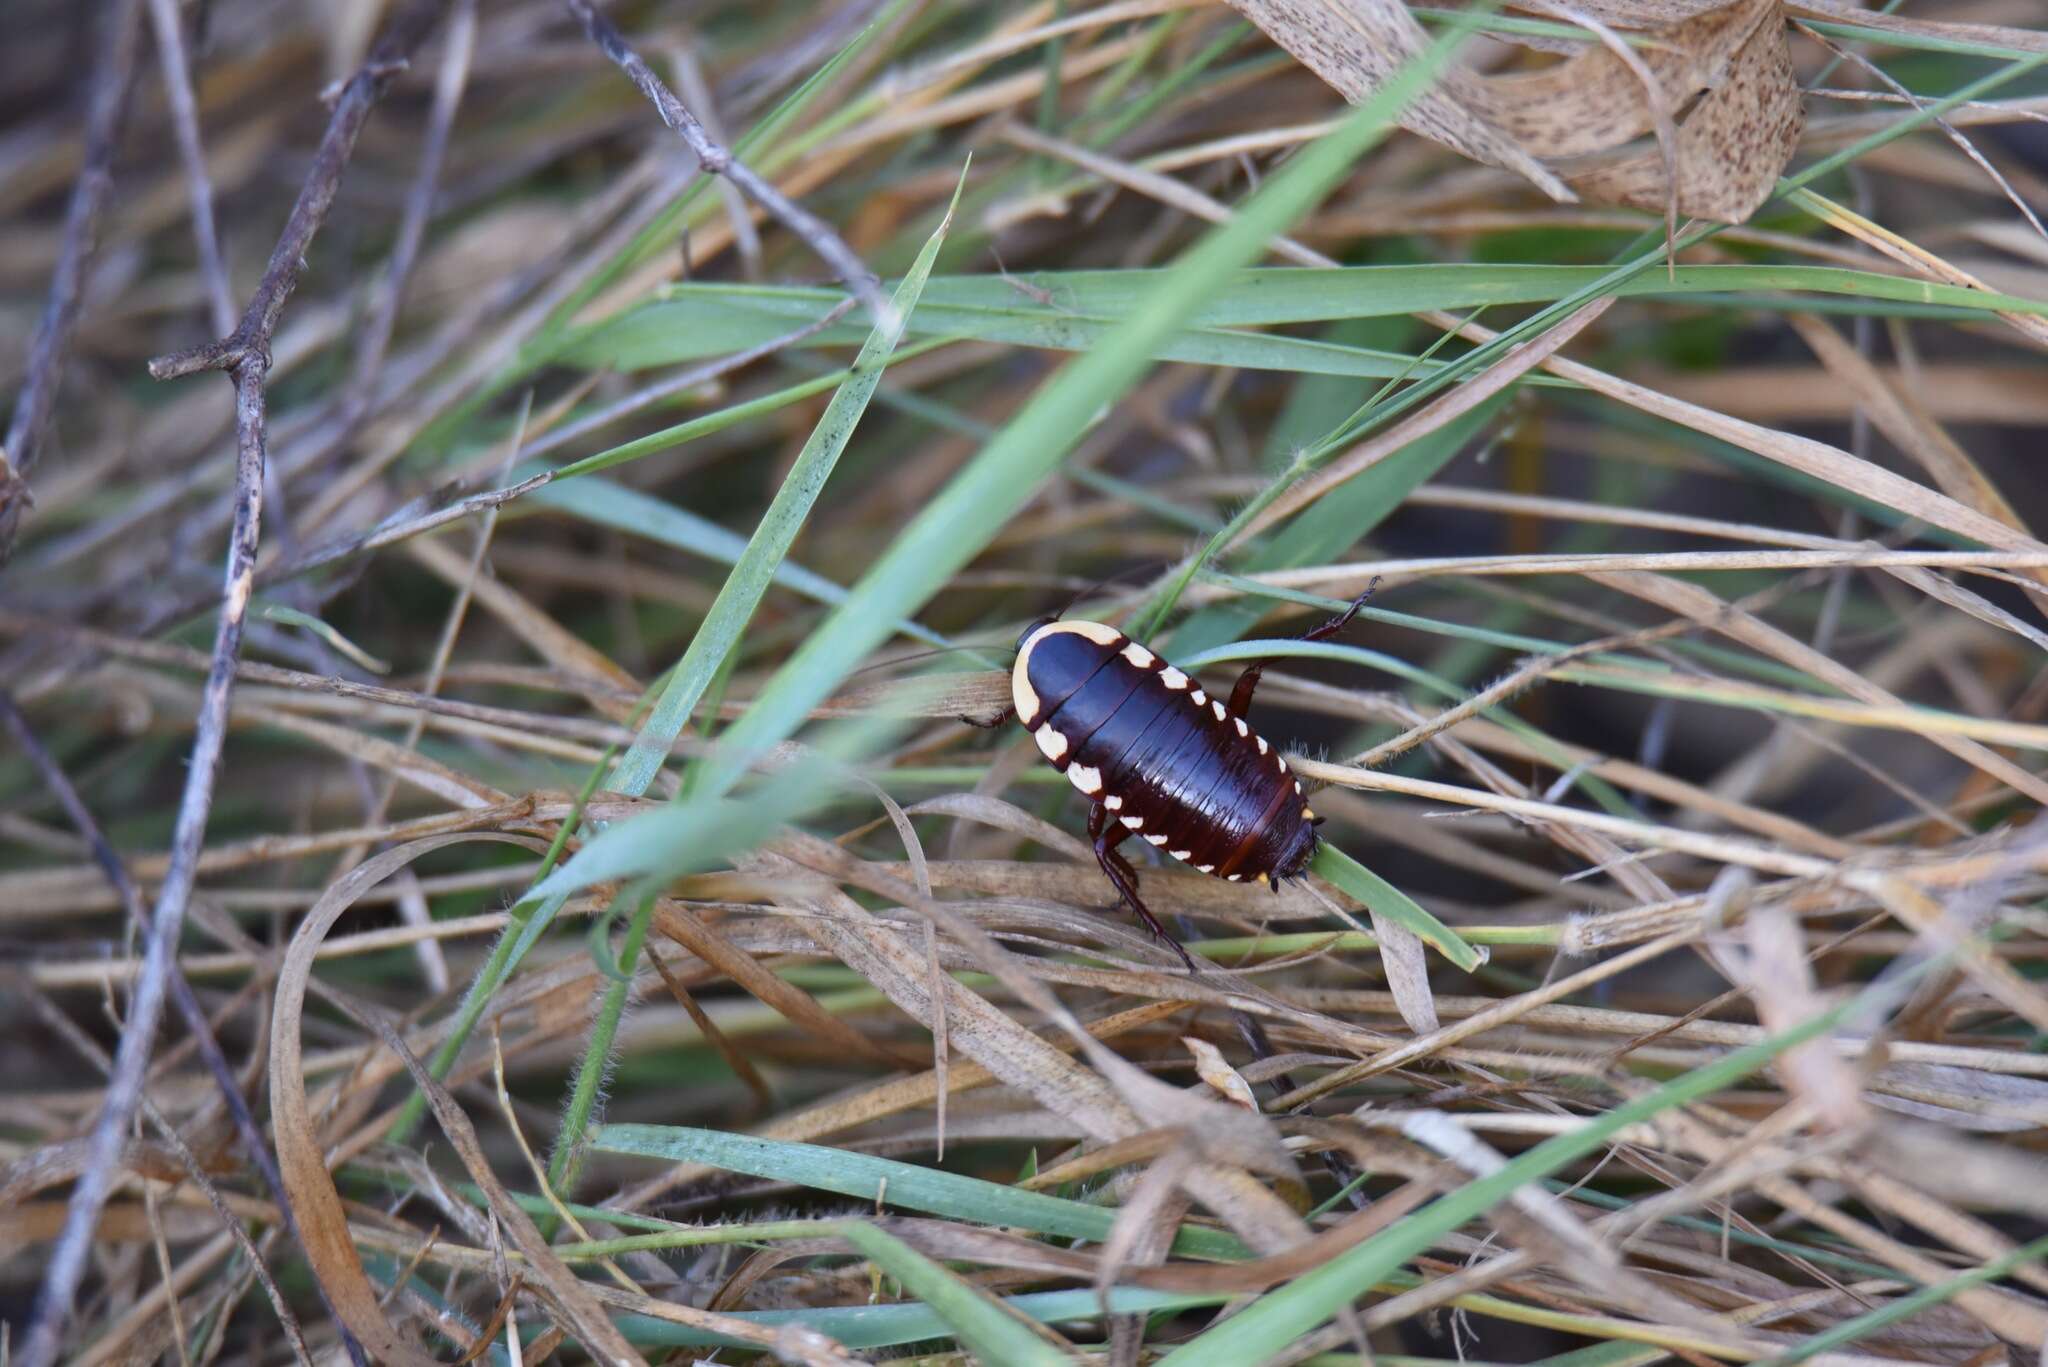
1355,45
1407,968
1725,65
1214,1069
1735,139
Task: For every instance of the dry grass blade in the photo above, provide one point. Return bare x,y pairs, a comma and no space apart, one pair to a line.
1680,993
323,1222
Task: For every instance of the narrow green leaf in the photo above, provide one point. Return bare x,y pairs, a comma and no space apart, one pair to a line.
1397,906
903,1185
529,919
697,832
984,1326
886,1326
565,1163
306,621
695,320
756,567
668,438
1905,1307
627,510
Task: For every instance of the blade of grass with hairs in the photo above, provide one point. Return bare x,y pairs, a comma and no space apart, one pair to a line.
984,1325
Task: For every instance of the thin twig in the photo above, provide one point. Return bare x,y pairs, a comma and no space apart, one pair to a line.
719,161
351,108
95,1180
177,72
427,515
403,526
375,338
245,355
189,1008
109,108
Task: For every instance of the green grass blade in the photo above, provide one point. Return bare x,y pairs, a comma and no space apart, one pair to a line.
565,1163
720,632
527,922
696,832
684,836
903,1185
1389,901
671,437
1905,1307
326,631
698,320
887,1326
743,315
984,1326
966,515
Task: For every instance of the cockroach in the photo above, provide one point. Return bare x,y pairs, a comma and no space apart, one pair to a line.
1162,760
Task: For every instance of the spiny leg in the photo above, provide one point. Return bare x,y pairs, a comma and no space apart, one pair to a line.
1107,835
1241,696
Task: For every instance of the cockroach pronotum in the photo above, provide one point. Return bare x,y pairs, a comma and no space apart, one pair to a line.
1162,760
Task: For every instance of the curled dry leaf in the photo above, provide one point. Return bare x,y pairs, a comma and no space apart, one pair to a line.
1407,969
1214,1069
1572,129
323,1221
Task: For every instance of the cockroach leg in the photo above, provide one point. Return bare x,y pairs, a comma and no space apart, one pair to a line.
1241,696
1107,835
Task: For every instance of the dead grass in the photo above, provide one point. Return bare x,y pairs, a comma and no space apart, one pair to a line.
569,954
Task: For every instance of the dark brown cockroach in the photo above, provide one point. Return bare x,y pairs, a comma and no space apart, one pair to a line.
1162,760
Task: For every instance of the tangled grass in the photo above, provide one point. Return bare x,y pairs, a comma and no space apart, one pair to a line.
580,923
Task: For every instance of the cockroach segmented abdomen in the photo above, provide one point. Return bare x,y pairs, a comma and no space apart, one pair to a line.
1161,759
1164,761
